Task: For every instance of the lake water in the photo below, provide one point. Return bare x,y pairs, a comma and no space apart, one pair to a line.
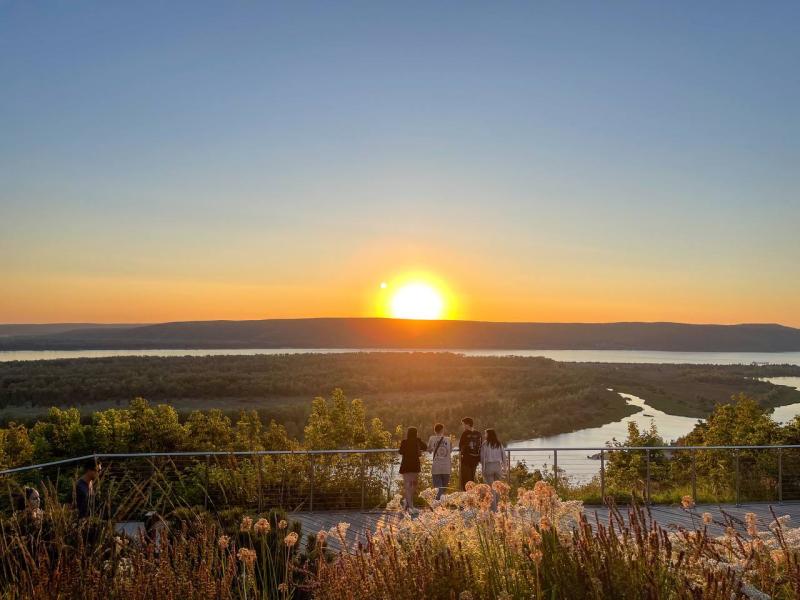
610,356
578,465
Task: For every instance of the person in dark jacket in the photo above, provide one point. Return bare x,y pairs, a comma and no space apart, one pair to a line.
469,450
84,489
411,449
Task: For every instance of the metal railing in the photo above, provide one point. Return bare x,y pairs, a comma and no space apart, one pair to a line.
368,478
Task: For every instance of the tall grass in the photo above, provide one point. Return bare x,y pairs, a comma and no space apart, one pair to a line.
49,553
542,547
535,545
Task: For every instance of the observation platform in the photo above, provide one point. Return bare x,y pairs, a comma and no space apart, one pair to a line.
668,517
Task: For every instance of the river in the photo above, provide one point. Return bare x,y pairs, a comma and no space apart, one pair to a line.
578,465
604,356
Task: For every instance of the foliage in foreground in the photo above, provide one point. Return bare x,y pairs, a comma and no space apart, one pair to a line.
541,547
535,547
192,555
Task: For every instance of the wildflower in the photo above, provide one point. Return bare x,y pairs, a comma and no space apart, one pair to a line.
247,556
778,557
429,495
526,498
283,588
322,536
468,487
687,502
395,504
282,524
501,487
535,536
223,542
262,526
291,539
465,595
341,529
545,498
781,522
545,524
536,556
652,538
246,525
752,527
708,518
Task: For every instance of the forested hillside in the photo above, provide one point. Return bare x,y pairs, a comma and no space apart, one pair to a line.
524,396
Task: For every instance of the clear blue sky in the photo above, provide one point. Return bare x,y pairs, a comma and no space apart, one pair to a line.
548,161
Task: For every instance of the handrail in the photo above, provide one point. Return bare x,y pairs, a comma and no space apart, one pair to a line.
363,451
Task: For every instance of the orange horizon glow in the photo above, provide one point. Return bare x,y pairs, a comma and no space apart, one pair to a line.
100,300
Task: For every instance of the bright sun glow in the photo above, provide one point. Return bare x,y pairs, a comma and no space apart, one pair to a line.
417,301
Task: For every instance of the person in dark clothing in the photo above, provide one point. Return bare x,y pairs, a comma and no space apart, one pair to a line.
84,489
411,449
469,449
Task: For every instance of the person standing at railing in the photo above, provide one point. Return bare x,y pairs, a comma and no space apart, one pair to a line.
493,461
469,449
411,449
440,448
84,489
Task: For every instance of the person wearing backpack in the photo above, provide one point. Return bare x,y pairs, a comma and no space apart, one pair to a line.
469,448
440,448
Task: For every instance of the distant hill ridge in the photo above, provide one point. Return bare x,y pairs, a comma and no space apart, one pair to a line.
409,334
19,329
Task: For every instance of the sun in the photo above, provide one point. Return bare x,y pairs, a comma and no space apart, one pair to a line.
417,300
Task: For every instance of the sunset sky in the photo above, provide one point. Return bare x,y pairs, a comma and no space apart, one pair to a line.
536,162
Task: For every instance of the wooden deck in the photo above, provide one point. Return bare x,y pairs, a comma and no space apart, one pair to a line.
670,517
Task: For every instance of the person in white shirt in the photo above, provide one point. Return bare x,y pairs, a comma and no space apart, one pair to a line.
493,460
440,447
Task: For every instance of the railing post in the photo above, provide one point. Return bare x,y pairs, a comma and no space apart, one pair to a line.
363,478
390,482
780,475
694,475
260,483
206,499
555,468
311,491
647,480
284,500
736,455
152,472
602,476
508,470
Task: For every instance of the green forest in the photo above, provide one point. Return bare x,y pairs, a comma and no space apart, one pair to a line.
66,408
521,397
